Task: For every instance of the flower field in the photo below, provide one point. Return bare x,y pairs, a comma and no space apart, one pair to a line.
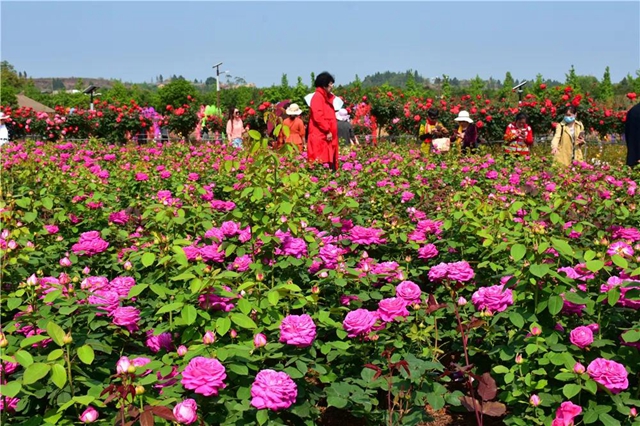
194,284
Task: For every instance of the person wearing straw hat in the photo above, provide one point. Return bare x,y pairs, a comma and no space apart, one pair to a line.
4,131
296,128
467,135
346,135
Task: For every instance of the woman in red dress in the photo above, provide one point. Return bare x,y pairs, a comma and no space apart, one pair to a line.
322,144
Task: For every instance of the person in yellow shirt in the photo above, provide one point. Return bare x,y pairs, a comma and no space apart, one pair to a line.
431,129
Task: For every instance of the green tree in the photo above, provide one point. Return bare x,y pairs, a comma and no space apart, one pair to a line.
572,80
175,93
313,79
605,91
446,86
11,84
507,86
79,84
57,84
477,86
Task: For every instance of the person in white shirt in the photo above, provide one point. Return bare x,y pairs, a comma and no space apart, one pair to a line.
4,131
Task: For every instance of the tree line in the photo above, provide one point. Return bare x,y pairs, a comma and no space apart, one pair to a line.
177,90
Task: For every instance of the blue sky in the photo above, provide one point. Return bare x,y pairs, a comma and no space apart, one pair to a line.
259,41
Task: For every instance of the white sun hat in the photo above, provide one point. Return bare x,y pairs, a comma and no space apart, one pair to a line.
293,109
464,116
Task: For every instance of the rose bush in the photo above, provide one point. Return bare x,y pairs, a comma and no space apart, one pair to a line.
236,287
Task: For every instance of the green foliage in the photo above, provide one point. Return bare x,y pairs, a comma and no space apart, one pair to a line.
175,93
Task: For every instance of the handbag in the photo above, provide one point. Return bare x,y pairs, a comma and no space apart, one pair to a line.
441,144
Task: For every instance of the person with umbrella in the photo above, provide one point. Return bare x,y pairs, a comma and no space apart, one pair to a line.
322,145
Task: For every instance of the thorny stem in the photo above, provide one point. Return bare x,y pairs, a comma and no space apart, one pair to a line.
68,359
466,358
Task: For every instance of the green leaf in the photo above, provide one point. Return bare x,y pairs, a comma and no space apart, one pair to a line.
170,307
591,386
239,369
518,251
55,354
435,401
243,321
245,306
189,314
631,336
555,304
620,261
255,135
30,216
562,246
273,296
607,420
262,416
56,333
613,296
516,319
33,340
223,325
58,375
52,296
11,389
337,401
86,354
24,358
84,400
539,270
136,290
590,417
575,298
595,265
35,372
570,390
148,259
47,203
500,369
13,303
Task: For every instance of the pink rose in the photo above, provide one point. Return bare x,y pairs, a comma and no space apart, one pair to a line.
90,244
204,376
610,374
185,412
127,317
581,336
51,229
359,322
259,340
366,236
409,291
393,307
230,228
161,341
566,413
89,415
273,390
494,298
460,271
429,251
297,330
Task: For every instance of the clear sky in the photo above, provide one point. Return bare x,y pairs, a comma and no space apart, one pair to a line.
259,41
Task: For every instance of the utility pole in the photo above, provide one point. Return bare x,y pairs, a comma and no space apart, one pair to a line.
217,67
